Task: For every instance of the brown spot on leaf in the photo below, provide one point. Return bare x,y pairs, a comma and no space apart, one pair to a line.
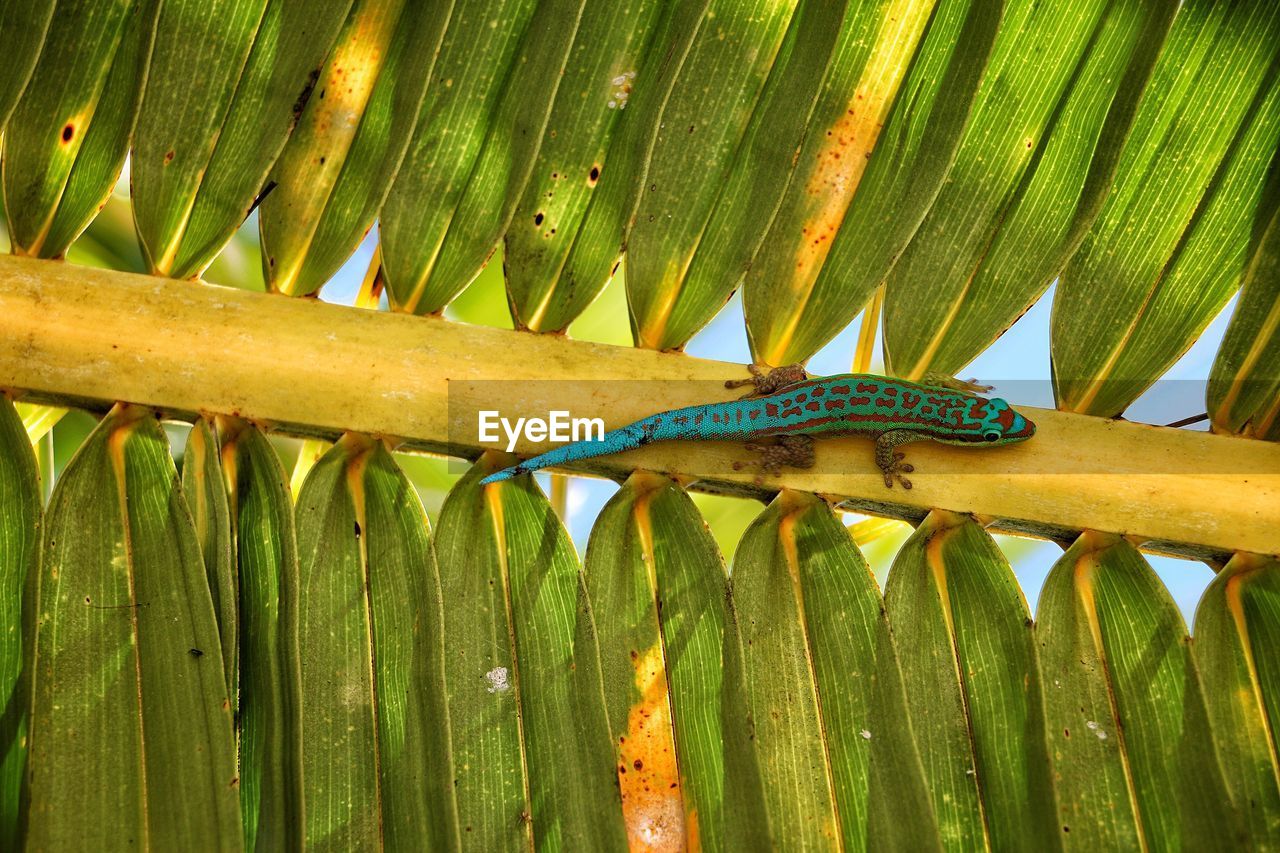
68,132
300,103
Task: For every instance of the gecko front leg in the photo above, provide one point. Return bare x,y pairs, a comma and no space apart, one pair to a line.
890,461
763,384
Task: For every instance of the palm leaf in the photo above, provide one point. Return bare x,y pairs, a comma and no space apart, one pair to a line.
20,501
130,724
384,684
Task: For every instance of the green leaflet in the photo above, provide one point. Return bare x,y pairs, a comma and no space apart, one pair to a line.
510,151
793,310
1237,624
1032,171
23,24
555,670
466,83
490,794
801,208
1244,384
334,173
968,660
1173,240
375,768
899,807
206,494
662,665
1128,740
822,39
809,613
270,681
205,140
67,139
715,92
19,554
130,723
594,256
603,67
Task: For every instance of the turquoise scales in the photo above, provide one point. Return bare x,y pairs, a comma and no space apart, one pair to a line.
792,409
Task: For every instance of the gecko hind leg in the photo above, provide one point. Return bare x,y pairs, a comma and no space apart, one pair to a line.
889,461
791,451
763,384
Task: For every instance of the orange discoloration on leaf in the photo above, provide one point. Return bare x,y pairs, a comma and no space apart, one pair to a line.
648,773
836,168
652,806
938,568
693,841
650,330
359,449
199,497
1263,425
1248,365
229,432
115,447
1084,570
1252,702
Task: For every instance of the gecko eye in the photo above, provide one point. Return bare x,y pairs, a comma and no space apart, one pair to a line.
991,435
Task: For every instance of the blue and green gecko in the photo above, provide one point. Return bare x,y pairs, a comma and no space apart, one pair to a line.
791,408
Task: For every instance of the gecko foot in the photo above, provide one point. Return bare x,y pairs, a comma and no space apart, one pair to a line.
895,469
942,380
791,451
889,460
764,384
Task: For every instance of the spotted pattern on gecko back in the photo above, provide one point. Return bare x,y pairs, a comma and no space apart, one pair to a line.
859,405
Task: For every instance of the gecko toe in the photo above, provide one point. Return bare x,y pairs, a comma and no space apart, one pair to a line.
895,469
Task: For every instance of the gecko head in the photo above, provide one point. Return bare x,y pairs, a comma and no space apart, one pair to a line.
1002,425
997,424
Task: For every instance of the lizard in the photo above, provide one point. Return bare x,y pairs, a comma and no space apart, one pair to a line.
792,408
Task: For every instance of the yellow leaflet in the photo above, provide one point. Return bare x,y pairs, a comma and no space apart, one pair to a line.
648,775
839,164
329,127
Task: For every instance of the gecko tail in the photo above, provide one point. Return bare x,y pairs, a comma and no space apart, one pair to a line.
505,474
